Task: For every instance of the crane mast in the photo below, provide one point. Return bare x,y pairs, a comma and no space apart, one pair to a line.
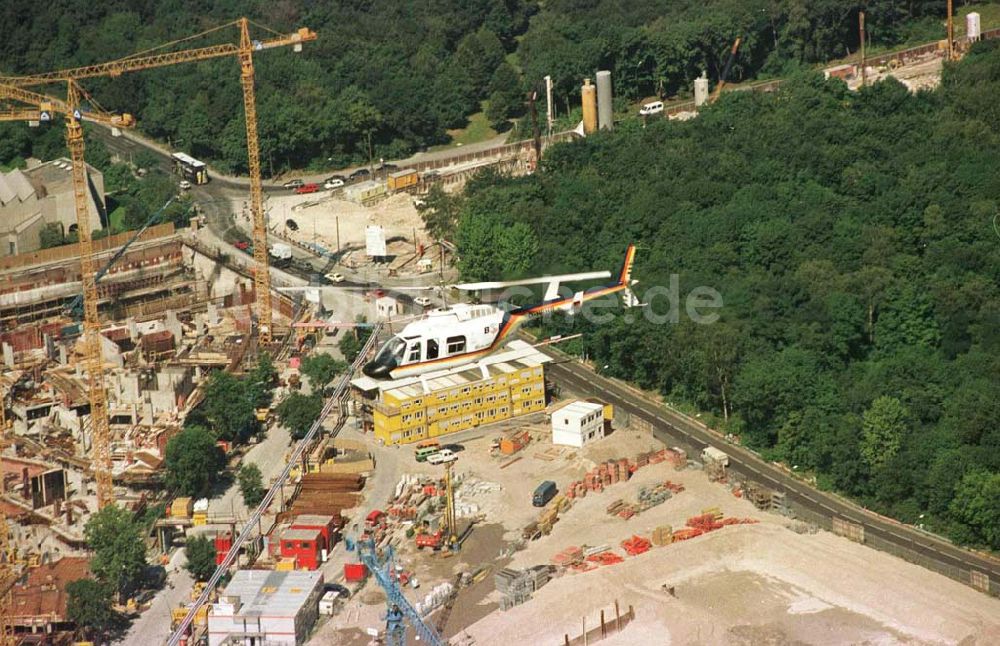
100,432
262,271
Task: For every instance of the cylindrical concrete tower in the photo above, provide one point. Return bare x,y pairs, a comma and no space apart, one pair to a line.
589,94
700,90
973,31
605,109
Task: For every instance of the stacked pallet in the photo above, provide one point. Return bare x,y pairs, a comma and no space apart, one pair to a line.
570,556
517,586
663,535
606,557
604,475
636,545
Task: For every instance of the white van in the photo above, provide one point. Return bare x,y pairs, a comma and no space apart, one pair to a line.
656,107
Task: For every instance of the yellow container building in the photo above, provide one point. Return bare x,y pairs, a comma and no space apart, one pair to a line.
506,385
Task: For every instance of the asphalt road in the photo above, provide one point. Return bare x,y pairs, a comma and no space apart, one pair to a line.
668,425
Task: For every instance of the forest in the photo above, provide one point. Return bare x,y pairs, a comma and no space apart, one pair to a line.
854,240
387,78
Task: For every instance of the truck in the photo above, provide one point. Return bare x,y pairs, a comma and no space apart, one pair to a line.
543,493
712,454
281,254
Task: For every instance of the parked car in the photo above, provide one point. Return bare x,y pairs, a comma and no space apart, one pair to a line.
333,177
442,456
388,168
307,188
360,174
422,301
293,183
185,185
335,277
331,184
242,246
656,107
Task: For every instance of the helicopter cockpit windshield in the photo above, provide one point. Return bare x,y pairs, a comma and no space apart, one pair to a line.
390,356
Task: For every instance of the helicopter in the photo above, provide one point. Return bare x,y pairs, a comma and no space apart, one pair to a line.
465,333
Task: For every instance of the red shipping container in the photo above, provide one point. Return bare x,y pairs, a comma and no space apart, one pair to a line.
223,543
354,572
304,545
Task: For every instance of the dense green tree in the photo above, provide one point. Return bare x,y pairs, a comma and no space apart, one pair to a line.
298,412
977,508
251,484
261,380
116,539
193,462
89,606
885,423
321,368
439,211
352,342
229,407
506,96
200,553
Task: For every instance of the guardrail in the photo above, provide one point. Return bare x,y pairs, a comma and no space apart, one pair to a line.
334,402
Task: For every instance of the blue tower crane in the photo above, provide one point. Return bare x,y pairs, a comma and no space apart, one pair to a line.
399,608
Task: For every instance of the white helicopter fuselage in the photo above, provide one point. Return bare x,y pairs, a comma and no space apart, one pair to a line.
443,339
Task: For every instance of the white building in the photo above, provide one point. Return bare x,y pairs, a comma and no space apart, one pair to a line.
262,606
578,423
32,198
386,307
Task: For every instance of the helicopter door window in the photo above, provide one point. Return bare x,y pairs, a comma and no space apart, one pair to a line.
456,344
414,353
432,349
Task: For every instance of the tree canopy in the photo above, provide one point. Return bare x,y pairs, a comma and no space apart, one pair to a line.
850,238
251,484
89,606
394,76
397,74
298,412
119,547
321,368
193,462
200,553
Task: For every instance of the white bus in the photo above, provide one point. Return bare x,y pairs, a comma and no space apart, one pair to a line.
190,168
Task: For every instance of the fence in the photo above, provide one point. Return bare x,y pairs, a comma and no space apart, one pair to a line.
72,251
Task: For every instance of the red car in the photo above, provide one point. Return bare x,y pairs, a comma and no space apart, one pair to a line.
242,246
307,188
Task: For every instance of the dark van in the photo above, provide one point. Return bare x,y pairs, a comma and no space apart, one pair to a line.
543,494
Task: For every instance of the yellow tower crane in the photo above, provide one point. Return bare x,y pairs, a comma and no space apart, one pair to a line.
7,573
244,51
42,108
13,88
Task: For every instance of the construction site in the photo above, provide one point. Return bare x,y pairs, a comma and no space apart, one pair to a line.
492,501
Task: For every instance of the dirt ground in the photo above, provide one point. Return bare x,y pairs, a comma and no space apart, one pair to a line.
317,217
746,584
